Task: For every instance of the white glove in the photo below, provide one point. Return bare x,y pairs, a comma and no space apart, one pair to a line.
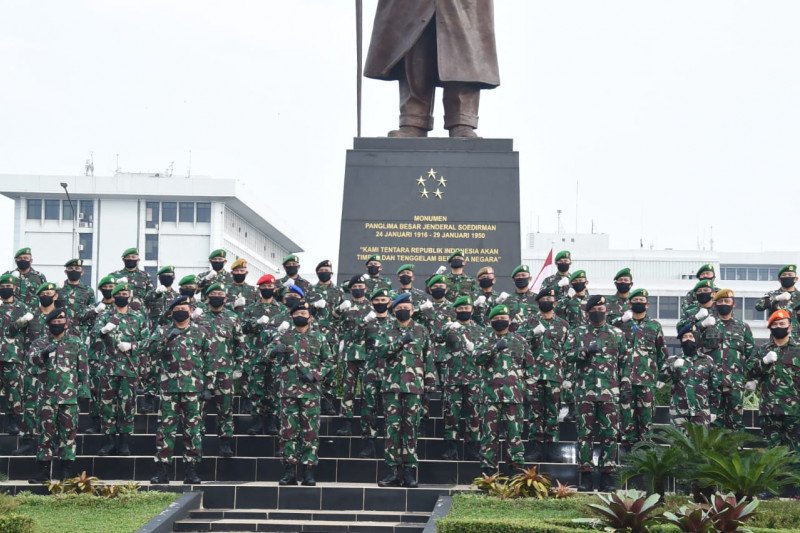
678,363
161,289
211,275
427,304
262,320
123,279
320,304
571,292
563,282
24,319
783,297
770,358
341,346
502,298
701,314
283,327
237,374
289,282
454,325
480,300
660,385
627,315
108,327
539,329
441,270
566,384
123,346
197,297
713,417
750,385
708,321
469,345
239,301
370,317
345,305
99,308
15,273
197,313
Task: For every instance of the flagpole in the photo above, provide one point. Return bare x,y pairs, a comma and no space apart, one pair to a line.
359,38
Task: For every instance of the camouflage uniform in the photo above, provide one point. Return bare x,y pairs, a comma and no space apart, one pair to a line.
300,282
727,393
223,277
375,344
460,285
690,300
12,355
573,309
551,282
328,326
157,303
520,305
616,306
480,312
141,287
257,368
243,290
374,283
770,304
691,384
355,358
27,285
35,329
462,383
79,302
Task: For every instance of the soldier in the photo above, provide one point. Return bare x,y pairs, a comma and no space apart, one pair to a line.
796,322
138,280
240,293
561,279
704,273
691,373
183,354
434,315
161,297
620,302
303,356
323,298
405,277
12,350
187,286
486,297
647,355
409,373
291,265
119,333
216,274
373,280
458,283
522,301
775,369
571,307
105,286
599,351
56,356
29,278
546,334
79,302
785,297
507,363
702,316
224,363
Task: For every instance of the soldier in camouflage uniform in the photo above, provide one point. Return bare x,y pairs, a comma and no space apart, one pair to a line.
216,274
323,298
291,265
507,364
486,297
119,335
795,322
571,307
546,334
56,356
373,280
704,273
434,314
183,354
785,297
79,301
619,302
559,281
156,305
458,282
647,355
29,279
405,278
409,372
224,363
12,350
775,370
599,352
138,280
303,356
691,373
522,302
240,293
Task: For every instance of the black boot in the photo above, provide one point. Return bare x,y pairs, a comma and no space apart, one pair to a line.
225,447
110,447
94,429
327,407
147,404
551,452
161,476
289,475
308,477
26,448
123,448
392,480
258,427
66,470
13,425
451,453
472,451
586,481
536,454
43,474
410,477
346,430
246,405
367,448
272,428
608,481
191,477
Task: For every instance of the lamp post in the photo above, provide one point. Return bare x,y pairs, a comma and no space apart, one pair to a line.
74,222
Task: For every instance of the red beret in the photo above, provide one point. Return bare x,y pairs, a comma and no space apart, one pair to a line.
266,278
778,315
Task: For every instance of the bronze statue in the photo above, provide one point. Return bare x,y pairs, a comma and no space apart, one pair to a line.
428,43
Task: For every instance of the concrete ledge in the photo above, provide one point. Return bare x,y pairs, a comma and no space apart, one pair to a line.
440,510
178,510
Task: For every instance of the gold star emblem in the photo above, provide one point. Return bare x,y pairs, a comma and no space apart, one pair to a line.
442,181
432,174
438,194
421,181
423,193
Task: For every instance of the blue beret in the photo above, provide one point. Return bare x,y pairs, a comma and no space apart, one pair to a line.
686,328
297,290
178,301
403,297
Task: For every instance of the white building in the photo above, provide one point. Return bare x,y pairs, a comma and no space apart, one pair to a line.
172,220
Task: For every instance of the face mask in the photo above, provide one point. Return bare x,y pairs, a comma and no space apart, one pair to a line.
457,263
562,267
106,293
638,307
120,301
23,264
290,302
788,282
46,301
405,279
73,275
358,293
6,292
380,308
267,293
779,333
180,316
130,264
546,306
724,310
689,347
438,294
597,317
521,283
324,277
704,297
623,288
217,265
239,278
56,329
166,280
463,316
499,325
187,292
485,283
291,270
373,270
579,287
300,321
216,301
403,314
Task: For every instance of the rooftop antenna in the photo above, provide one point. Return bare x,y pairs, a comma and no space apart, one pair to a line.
88,167
711,238
558,221
118,169
168,172
189,168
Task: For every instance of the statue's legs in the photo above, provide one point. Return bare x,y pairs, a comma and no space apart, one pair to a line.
461,102
417,86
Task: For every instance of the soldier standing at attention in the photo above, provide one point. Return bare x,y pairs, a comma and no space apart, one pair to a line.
12,350
458,282
522,302
572,307
784,297
486,297
217,273
618,303
240,293
291,265
692,373
323,298
704,273
373,280
405,276
559,281
138,280
29,279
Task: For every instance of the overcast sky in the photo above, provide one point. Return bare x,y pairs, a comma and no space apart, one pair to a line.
672,117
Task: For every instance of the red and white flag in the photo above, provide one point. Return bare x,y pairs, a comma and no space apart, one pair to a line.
548,269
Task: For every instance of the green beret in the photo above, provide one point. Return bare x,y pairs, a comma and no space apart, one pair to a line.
703,283
563,254
638,292
520,268
219,252
108,280
8,278
624,272
74,263
130,251
708,267
577,274
377,293
191,279
46,286
373,257
462,300
456,253
787,268
407,266
120,287
169,269
498,310
22,251
290,257
433,280
214,287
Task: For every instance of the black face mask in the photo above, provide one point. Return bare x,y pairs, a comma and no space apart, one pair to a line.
689,347
724,309
485,283
291,270
521,283
704,297
358,293
500,325
788,282
23,264
106,293
180,316
290,302
380,308
373,270
779,333
46,301
463,316
597,317
120,301
623,288
405,279
189,293
546,306
130,264
216,301
457,263
579,287
438,294
6,292
324,277
638,307
403,314
166,280
239,278
562,267
300,321
217,265
267,293
73,275
56,329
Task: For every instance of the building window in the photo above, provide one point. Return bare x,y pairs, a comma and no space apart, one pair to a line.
66,210
186,212
86,211
667,307
750,312
85,245
203,212
151,271
86,279
738,309
151,247
51,209
169,211
151,215
34,209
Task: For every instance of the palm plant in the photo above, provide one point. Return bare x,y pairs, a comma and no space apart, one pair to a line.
750,472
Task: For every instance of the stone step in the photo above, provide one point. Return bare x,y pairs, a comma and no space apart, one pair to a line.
308,515
316,526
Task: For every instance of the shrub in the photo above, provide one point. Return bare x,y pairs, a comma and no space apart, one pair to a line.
627,510
750,472
16,523
8,504
529,483
655,464
82,484
691,519
561,491
729,514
